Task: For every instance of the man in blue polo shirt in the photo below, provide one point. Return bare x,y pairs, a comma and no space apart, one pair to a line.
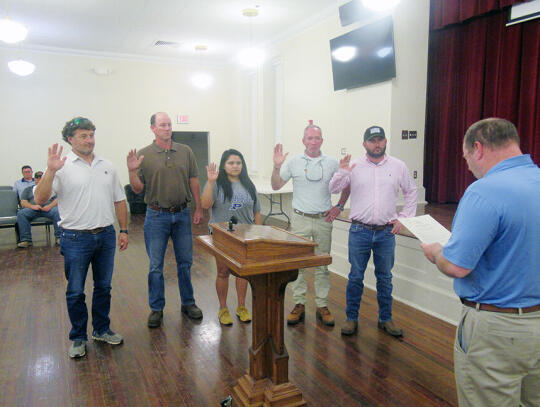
26,181
494,255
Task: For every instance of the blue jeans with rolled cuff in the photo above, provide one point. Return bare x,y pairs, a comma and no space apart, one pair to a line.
159,226
80,250
363,241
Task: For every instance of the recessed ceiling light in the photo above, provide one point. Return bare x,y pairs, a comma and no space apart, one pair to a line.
102,70
21,68
250,12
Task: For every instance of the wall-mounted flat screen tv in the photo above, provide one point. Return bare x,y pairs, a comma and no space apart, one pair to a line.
364,56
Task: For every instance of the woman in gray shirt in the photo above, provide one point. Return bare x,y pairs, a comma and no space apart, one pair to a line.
230,192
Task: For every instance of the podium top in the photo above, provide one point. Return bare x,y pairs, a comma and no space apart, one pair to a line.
249,234
256,249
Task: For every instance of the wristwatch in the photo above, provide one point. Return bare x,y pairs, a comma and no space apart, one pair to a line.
340,207
124,231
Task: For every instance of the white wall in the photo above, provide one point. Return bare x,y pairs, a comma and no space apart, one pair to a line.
307,93
34,109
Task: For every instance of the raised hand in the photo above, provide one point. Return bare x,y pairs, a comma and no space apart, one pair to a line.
54,158
211,172
133,162
279,157
345,163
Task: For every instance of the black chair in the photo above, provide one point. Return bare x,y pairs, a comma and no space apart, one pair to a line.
41,221
9,201
135,201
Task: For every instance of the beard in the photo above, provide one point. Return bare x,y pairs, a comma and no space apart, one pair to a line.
376,154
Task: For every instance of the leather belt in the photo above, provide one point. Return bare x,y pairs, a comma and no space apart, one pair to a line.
172,209
92,231
493,308
371,227
310,215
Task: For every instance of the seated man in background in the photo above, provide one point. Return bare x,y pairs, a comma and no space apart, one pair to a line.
26,181
30,211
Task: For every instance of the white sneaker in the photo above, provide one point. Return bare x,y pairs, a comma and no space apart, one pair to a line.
77,349
110,337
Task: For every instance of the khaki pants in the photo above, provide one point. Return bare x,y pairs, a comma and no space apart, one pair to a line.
320,231
497,359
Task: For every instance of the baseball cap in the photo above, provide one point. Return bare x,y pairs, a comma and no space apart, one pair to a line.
373,131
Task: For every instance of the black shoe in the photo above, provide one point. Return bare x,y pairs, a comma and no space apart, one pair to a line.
154,319
192,311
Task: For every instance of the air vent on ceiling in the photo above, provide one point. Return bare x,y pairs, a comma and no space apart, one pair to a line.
162,43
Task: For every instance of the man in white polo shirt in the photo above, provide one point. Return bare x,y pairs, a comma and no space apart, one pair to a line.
89,194
312,215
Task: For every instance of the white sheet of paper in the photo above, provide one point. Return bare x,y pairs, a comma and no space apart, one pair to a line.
426,229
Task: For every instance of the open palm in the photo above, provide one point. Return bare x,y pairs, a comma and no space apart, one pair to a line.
211,172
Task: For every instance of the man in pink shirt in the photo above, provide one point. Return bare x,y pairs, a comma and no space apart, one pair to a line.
375,181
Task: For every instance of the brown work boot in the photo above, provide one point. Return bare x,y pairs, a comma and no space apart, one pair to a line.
324,315
296,315
349,327
390,328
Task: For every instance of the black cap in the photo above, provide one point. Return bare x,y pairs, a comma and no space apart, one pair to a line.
373,131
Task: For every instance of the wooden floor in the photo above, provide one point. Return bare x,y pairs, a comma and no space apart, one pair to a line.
193,364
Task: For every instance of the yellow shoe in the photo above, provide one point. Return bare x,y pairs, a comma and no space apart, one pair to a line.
243,314
224,317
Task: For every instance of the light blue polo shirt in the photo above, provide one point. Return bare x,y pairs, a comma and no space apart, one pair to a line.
496,234
310,177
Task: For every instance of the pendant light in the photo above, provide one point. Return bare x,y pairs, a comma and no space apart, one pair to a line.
251,57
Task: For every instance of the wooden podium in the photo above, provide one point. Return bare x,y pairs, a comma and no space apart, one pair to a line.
269,258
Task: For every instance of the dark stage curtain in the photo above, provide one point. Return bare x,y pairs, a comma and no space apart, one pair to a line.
446,12
478,69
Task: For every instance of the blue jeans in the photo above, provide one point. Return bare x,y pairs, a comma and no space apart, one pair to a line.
159,226
361,242
26,215
81,249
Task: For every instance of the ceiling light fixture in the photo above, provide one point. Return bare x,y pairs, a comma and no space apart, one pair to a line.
380,5
11,31
21,67
201,80
102,70
251,57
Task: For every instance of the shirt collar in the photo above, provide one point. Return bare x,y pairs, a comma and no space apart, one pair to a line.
71,156
510,163
313,159
382,162
174,147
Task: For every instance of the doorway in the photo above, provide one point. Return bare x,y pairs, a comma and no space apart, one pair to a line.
198,142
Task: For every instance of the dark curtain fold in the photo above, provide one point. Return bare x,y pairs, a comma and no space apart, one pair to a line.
446,12
478,69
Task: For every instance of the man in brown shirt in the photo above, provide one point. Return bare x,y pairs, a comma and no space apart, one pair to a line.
168,173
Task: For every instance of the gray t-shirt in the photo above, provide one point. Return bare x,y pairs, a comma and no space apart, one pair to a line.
28,195
241,205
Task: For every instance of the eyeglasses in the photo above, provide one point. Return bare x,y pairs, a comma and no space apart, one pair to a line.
314,172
